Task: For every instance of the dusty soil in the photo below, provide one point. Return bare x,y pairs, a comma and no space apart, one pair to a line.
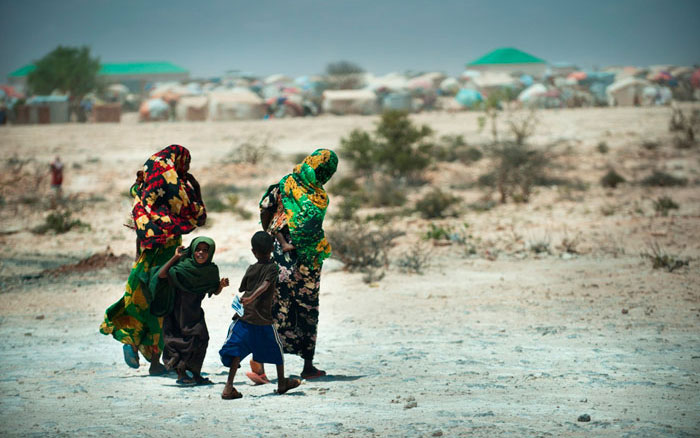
492,340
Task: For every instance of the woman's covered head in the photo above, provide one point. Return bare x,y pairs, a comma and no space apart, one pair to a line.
180,157
318,167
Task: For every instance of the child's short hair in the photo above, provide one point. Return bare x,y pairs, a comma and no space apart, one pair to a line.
262,242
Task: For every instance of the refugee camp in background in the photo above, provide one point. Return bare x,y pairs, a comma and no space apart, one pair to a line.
161,91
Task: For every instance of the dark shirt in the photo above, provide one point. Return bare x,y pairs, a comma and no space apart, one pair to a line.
259,312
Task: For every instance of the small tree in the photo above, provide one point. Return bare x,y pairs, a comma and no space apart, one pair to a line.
344,75
68,69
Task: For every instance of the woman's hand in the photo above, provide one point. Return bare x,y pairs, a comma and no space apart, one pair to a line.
286,247
194,183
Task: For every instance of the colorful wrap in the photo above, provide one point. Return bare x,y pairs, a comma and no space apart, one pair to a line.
130,320
168,206
305,202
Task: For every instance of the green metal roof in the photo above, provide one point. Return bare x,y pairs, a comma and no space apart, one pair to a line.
126,68
507,55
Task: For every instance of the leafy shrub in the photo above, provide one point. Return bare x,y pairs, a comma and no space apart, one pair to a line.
398,148
660,259
437,204
664,204
454,148
414,260
603,147
517,169
362,248
220,198
663,179
59,222
343,186
437,232
611,179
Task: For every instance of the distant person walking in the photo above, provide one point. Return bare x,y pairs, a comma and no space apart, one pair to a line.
169,205
56,168
292,211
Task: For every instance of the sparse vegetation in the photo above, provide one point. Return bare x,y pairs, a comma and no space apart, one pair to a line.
60,222
220,198
253,150
362,248
437,204
664,204
612,179
603,147
454,148
660,259
414,260
518,168
540,245
663,179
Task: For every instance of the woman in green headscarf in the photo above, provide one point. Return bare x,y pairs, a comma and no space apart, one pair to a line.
177,292
293,211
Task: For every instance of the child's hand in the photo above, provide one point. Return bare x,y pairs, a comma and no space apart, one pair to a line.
179,252
246,300
222,284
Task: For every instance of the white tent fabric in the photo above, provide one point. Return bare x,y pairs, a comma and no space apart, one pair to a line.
626,91
532,92
235,104
493,79
350,102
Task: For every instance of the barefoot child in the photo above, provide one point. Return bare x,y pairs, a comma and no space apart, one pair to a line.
253,332
190,275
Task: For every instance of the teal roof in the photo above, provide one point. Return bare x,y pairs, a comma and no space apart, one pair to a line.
125,68
507,55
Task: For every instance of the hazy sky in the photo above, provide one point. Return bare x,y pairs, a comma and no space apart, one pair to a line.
301,36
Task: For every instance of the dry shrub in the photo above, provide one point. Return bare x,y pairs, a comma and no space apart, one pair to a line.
438,204
362,248
518,168
660,259
663,179
664,204
59,222
253,150
611,179
414,260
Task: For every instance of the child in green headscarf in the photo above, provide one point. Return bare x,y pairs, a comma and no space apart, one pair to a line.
178,290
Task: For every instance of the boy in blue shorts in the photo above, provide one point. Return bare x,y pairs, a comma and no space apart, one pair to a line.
253,332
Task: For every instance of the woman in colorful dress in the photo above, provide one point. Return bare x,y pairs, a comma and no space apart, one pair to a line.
292,211
168,205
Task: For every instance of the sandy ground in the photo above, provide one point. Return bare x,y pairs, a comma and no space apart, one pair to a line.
495,342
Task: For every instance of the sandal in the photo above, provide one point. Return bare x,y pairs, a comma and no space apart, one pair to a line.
204,381
186,382
231,395
130,356
258,379
313,375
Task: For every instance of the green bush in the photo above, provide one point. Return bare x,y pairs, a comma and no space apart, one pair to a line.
398,148
660,259
59,222
518,168
437,204
664,204
663,179
603,147
611,179
220,198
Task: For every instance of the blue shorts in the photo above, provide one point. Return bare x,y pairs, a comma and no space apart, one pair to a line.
245,338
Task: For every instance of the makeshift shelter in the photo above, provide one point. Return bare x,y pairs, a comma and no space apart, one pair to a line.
468,97
626,92
401,100
492,80
107,113
387,83
449,86
350,102
154,109
49,109
509,60
532,93
235,104
192,108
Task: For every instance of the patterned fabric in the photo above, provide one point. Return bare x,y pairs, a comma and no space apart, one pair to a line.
305,203
129,320
168,206
296,309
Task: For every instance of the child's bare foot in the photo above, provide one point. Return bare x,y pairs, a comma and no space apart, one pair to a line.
285,385
230,393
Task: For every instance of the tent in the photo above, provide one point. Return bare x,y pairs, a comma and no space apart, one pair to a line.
235,104
350,102
389,82
154,109
449,86
192,108
468,97
509,60
49,109
494,80
532,93
626,91
398,101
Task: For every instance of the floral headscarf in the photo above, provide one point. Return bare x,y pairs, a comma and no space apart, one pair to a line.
167,206
305,202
